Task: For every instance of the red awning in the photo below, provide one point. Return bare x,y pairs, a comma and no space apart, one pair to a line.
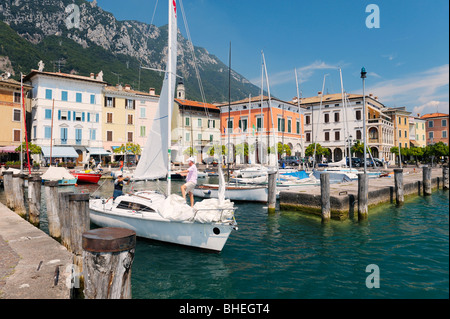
8,149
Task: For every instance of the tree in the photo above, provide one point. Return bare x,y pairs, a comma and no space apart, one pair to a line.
358,148
212,150
284,149
129,148
416,152
190,151
319,150
34,149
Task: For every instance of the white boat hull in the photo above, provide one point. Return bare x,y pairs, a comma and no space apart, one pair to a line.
209,236
234,193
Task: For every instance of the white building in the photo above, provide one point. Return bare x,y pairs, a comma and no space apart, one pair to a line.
67,109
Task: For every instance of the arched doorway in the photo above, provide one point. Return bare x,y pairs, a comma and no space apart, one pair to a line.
374,152
337,154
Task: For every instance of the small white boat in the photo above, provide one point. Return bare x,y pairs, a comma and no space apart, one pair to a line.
234,193
252,171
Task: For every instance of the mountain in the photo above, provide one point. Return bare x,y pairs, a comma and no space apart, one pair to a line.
34,30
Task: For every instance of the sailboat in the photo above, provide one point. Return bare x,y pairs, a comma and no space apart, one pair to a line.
152,214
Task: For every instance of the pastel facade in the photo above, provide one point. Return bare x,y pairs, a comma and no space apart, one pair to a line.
437,127
400,118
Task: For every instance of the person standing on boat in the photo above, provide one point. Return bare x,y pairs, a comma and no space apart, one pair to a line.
118,185
191,180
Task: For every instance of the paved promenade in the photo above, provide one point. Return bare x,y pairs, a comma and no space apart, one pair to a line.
32,264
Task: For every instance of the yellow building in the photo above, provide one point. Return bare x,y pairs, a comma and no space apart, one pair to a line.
420,139
11,112
400,118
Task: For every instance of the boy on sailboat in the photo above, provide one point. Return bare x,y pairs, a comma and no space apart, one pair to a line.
191,180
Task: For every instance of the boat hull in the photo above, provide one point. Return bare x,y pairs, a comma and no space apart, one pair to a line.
64,182
207,236
234,193
87,178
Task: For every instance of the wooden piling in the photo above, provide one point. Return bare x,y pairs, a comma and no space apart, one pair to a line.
34,199
272,191
445,181
363,196
8,186
325,196
399,189
426,180
52,201
108,255
18,194
79,223
65,219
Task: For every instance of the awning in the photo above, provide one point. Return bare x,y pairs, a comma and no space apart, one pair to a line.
8,149
59,151
97,151
414,143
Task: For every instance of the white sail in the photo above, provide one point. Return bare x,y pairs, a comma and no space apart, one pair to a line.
154,162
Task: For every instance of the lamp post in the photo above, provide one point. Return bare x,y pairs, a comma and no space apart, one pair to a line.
363,77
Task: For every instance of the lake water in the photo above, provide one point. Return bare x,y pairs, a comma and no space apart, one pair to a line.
292,255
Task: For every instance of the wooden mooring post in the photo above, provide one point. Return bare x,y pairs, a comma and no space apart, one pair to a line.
398,180
445,181
52,201
363,196
272,191
108,255
79,223
19,196
325,197
34,199
426,180
8,186
65,219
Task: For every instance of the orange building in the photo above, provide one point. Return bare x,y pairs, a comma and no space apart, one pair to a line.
436,128
258,125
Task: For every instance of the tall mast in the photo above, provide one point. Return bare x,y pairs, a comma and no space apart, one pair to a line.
229,112
347,133
171,69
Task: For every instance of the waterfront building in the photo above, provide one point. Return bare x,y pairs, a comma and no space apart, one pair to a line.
12,120
146,106
417,132
195,127
436,128
400,118
255,125
334,125
66,108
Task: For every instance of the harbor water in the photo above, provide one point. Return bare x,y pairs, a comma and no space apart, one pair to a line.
292,255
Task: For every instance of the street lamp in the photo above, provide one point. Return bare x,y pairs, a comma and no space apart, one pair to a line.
363,77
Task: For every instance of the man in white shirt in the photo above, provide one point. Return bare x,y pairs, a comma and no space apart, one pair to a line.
191,180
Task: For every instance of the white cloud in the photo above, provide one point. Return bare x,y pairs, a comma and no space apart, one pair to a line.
420,90
431,107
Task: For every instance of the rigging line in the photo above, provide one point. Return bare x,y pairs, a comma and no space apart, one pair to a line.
154,11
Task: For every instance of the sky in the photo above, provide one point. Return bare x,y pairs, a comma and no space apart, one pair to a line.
406,54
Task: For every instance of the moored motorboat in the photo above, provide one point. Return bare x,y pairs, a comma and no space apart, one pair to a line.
87,177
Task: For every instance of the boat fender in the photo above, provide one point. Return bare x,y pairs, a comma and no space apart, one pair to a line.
216,230
208,192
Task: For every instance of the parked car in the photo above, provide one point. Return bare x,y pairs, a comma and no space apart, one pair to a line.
209,160
289,160
371,163
356,162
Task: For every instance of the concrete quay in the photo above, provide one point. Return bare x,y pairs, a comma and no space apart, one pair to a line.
344,196
32,264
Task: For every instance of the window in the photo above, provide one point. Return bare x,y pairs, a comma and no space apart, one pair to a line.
337,136
259,123
211,137
308,137
47,132
143,112
187,137
211,124
423,137
34,131
430,123
142,131
109,118
230,125
79,116
92,98
430,135
327,136
48,94
199,123
336,104
110,101
129,104
358,102
399,133
423,126
243,124
199,137
92,134
444,134
444,123
289,128
16,115
130,119
48,114
130,136
358,114
281,125
134,206
307,119
358,135
92,117
16,135
187,122
399,120
298,127
64,96
78,136
326,117
406,133
78,98
64,115
404,122
336,117
17,97
63,135
109,136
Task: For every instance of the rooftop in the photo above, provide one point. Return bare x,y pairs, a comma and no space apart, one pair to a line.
66,76
197,104
432,115
255,99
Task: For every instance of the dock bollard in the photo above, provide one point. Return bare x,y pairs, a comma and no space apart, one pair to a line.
398,180
445,176
108,255
34,199
325,196
51,199
65,219
79,223
8,186
363,196
18,194
426,180
272,191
